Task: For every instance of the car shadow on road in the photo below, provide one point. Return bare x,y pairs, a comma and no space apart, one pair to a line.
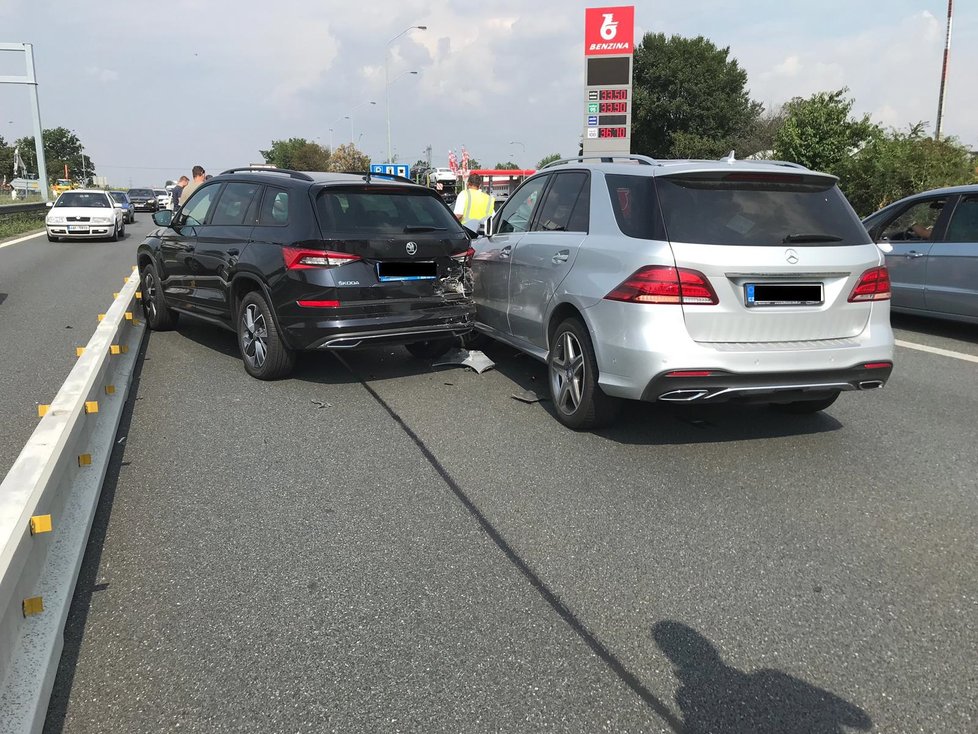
716,697
935,327
664,424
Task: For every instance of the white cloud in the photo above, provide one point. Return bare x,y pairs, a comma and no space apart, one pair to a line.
103,75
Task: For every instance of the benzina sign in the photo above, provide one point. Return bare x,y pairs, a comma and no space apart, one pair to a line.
609,31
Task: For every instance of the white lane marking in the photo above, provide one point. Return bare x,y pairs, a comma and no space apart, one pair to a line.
937,350
21,239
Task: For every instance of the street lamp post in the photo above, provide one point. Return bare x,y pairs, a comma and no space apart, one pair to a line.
350,117
387,81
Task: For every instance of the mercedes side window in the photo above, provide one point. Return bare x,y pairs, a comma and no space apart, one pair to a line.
560,202
274,208
516,215
194,212
915,223
233,205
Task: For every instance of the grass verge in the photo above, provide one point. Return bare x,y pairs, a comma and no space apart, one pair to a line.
12,225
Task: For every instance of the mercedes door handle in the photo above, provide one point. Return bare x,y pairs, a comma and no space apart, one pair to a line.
189,248
561,257
506,251
913,253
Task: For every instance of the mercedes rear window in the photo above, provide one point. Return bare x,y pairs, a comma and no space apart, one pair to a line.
383,211
748,208
77,198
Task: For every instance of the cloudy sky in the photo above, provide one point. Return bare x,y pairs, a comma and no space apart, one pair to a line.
152,88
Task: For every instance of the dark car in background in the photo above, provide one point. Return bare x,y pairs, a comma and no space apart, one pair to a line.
127,208
294,261
144,200
930,242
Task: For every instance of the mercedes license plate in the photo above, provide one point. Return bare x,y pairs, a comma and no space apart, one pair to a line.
783,294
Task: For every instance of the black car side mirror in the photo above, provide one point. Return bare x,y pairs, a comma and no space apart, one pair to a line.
163,217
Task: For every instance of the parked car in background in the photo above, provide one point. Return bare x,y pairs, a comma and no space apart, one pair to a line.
85,214
295,261
930,242
163,199
144,200
687,282
127,208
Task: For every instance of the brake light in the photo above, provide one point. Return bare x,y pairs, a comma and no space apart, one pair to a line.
319,304
689,373
873,285
661,284
877,365
299,259
463,256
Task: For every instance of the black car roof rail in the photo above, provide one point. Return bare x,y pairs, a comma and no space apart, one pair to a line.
643,159
271,169
367,175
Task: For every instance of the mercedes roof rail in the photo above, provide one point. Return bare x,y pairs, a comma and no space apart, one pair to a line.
607,158
270,169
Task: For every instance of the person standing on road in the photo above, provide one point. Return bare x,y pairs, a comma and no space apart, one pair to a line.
198,173
474,206
175,195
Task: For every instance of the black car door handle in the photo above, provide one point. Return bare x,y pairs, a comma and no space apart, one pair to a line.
233,252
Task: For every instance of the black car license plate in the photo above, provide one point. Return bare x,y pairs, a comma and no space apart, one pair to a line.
413,270
783,294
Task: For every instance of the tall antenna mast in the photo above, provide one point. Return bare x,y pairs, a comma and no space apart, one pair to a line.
947,53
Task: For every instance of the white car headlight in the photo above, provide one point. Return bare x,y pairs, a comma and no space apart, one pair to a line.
102,220
55,220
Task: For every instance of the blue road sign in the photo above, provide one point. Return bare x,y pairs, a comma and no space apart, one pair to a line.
391,169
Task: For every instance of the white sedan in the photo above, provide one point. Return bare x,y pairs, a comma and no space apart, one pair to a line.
163,198
85,214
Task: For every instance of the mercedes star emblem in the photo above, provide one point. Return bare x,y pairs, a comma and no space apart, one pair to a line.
790,255
412,247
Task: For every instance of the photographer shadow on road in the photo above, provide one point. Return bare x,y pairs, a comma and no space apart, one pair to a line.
716,698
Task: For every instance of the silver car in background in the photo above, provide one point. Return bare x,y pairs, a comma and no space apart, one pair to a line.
930,241
685,281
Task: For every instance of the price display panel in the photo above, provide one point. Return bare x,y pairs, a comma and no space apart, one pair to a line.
612,132
607,95
606,107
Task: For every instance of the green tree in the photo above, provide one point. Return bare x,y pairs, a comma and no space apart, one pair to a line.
6,159
61,147
283,153
508,166
758,138
548,159
690,98
820,133
311,157
348,157
896,164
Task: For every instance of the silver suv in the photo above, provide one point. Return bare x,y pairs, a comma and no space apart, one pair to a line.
685,281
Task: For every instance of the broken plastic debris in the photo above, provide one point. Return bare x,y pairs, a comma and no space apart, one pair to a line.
321,404
527,396
466,358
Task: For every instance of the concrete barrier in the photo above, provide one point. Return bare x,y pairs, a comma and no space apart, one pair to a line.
47,503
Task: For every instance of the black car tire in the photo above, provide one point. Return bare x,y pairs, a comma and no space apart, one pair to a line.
430,348
155,311
579,402
122,230
114,237
805,407
265,355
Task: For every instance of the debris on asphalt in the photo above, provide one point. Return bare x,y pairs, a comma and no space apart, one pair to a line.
527,396
466,358
321,404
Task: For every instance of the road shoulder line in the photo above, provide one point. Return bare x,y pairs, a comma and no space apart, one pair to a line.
21,239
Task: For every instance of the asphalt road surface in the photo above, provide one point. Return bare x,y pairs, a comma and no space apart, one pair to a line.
377,545
51,294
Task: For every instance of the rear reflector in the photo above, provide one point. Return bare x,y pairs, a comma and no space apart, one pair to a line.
689,373
299,259
873,285
877,365
319,304
661,284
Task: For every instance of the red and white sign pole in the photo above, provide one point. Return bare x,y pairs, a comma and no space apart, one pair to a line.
609,44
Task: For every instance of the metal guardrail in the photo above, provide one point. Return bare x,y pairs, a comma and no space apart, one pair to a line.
22,208
47,504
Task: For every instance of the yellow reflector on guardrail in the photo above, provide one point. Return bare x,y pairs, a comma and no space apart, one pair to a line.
91,406
84,460
33,605
40,524
42,410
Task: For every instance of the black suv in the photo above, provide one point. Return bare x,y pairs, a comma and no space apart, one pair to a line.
305,261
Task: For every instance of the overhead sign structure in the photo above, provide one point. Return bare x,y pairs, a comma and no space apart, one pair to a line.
609,44
391,169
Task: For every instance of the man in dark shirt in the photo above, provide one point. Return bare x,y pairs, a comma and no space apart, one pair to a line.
178,190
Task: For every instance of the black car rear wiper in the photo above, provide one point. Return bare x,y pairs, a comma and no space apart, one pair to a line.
422,228
811,237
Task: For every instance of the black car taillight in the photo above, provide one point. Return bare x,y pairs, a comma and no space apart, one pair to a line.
299,259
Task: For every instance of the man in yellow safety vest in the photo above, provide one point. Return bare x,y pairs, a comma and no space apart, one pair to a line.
473,206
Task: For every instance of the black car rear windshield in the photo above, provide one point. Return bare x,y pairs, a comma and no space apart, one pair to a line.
383,211
745,208
79,198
